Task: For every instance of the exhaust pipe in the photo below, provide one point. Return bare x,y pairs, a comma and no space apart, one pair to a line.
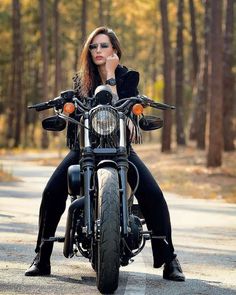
74,208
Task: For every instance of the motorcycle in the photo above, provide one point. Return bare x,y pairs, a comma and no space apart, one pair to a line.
103,223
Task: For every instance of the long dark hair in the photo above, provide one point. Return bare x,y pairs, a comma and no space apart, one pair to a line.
85,79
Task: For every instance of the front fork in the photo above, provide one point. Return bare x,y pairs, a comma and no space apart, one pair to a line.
88,175
123,168
88,168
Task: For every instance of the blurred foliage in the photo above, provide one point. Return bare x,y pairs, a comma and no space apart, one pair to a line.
137,24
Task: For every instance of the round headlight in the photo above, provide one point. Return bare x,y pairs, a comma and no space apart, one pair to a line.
104,121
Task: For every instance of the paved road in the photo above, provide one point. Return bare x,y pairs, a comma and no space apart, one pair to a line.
204,235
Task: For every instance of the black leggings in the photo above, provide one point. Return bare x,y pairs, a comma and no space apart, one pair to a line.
148,194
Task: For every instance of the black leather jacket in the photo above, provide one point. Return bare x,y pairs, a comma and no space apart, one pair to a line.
126,82
126,85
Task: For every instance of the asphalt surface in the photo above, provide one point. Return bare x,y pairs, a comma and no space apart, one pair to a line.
204,235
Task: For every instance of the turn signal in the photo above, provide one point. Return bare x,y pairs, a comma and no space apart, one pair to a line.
69,108
137,109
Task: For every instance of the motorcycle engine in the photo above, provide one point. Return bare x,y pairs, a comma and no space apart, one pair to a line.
133,241
134,238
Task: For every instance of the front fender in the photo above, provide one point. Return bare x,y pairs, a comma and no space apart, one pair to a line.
107,163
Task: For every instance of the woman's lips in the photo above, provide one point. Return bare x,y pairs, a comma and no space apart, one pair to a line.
99,57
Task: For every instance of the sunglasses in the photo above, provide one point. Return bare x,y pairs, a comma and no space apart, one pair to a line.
94,46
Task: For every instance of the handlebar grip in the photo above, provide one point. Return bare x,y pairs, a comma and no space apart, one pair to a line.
162,106
57,102
40,106
43,108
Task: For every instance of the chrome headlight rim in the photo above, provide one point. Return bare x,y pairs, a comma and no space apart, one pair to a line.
104,121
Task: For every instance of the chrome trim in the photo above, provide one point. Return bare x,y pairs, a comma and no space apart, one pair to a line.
86,133
122,133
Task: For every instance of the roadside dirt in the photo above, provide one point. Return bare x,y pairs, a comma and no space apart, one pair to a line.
6,176
182,171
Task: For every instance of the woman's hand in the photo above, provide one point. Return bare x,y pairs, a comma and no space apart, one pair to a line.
111,64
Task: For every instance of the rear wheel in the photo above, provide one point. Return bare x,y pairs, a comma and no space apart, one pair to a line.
109,230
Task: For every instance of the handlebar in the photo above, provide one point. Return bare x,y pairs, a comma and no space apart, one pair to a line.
144,100
121,105
56,102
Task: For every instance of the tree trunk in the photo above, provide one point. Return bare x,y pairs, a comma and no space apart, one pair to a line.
56,43
195,56
81,37
152,65
76,50
17,69
84,21
109,12
203,84
100,13
33,116
214,156
44,52
167,93
228,79
180,137
195,59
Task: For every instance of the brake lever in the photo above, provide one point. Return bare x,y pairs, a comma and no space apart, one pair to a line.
149,102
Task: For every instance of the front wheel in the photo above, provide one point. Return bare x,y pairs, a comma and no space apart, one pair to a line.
109,230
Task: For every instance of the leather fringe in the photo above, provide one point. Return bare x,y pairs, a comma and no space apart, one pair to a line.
135,131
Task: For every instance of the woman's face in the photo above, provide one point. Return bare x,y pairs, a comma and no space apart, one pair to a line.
100,49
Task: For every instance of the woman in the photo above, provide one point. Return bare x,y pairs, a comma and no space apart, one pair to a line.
100,65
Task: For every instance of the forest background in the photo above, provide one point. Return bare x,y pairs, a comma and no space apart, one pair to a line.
183,49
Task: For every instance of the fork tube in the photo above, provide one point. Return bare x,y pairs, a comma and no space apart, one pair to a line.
87,166
86,133
88,197
125,213
123,168
122,131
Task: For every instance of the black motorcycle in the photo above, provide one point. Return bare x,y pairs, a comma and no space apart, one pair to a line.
103,223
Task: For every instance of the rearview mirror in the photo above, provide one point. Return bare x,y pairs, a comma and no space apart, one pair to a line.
148,123
54,123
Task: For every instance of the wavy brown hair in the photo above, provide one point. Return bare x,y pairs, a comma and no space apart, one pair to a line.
85,79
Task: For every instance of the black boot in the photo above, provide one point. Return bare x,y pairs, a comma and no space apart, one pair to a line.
173,271
41,263
38,267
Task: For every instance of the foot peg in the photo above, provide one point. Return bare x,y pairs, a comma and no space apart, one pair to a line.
54,239
158,237
148,235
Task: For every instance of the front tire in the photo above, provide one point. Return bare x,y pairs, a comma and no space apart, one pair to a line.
109,236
